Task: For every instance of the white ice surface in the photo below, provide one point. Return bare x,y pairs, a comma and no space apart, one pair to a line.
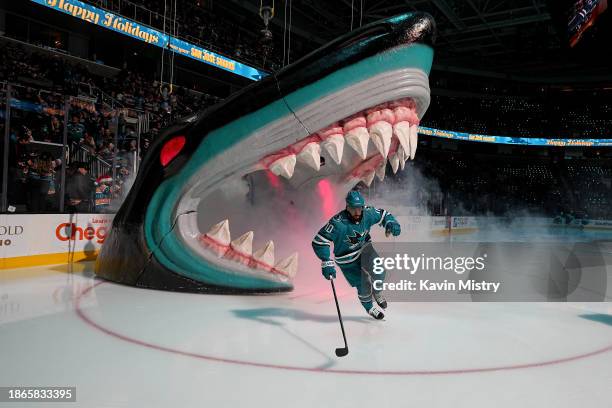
127,347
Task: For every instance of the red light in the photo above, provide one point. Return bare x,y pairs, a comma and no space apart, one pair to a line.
171,149
326,193
273,180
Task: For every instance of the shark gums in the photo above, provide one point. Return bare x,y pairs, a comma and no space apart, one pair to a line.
337,115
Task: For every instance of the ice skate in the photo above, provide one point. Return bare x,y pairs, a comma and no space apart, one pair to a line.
380,299
375,313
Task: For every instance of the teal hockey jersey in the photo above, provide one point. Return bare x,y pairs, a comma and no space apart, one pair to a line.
349,238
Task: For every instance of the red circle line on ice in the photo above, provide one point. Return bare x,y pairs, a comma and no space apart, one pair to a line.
142,343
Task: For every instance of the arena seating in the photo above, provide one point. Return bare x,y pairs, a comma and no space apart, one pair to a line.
195,23
551,116
462,183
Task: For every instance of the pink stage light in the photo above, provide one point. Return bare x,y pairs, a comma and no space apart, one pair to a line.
273,179
326,193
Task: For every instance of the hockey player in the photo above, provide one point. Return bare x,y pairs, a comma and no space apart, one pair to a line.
349,231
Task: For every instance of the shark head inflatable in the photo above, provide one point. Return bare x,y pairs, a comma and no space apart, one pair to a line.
338,115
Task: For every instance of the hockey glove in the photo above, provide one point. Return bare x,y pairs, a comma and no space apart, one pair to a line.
393,228
329,269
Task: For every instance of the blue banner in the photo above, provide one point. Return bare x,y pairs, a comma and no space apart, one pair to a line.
529,141
200,54
31,107
149,35
107,19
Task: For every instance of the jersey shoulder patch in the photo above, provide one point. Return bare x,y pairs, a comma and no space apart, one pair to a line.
339,218
334,223
373,211
373,215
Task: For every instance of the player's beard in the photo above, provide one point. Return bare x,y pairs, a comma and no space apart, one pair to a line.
356,219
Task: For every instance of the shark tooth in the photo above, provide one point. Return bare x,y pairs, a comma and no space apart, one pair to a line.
284,166
401,130
414,134
401,155
288,265
311,155
394,161
381,170
334,145
358,139
264,255
220,232
381,133
243,244
368,177
218,238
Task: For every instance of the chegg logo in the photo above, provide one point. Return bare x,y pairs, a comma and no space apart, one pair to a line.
70,231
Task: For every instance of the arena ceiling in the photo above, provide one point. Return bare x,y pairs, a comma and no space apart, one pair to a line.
511,38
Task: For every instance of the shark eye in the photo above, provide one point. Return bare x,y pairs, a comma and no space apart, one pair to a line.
171,149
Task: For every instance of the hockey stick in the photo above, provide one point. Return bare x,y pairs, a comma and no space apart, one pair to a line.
341,351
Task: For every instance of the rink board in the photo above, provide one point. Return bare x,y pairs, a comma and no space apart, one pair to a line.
48,239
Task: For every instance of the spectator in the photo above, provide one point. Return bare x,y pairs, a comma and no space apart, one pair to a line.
19,154
92,123
103,193
79,188
107,150
88,143
76,130
40,182
55,130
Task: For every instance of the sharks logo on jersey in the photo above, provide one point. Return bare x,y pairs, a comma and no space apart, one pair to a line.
355,239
